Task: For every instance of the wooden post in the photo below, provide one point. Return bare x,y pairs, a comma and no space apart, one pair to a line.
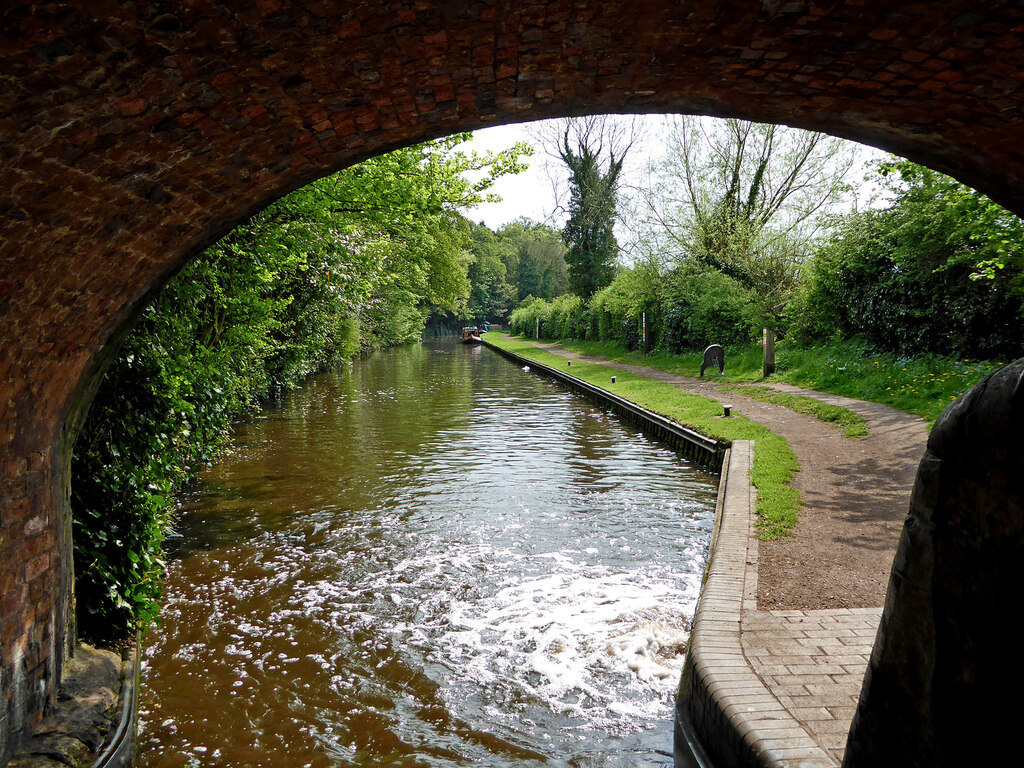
537,333
769,352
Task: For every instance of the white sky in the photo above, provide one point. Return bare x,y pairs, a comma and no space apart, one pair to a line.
532,193
528,194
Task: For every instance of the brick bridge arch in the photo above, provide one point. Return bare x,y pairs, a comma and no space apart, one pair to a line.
134,134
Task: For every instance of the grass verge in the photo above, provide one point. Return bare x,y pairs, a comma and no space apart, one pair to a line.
774,461
922,385
853,424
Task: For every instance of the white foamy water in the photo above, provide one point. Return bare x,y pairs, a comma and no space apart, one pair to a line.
603,647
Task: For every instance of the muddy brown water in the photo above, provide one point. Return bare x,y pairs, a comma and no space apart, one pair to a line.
428,558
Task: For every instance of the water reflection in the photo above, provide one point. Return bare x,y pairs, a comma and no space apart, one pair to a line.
429,558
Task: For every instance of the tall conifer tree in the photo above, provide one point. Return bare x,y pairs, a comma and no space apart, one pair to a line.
583,144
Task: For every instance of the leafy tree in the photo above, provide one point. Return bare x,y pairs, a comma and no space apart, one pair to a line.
743,198
593,149
543,270
534,257
521,260
491,294
940,270
986,238
412,198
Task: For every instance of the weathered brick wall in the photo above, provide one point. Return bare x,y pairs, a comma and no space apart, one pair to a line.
29,592
132,134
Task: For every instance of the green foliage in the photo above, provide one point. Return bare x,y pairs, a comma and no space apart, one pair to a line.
354,261
491,293
520,261
745,198
566,317
535,260
688,308
940,271
704,306
593,193
530,316
622,305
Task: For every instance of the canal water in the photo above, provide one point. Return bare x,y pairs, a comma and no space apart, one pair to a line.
428,558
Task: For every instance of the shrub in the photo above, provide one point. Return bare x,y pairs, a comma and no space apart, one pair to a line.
630,333
702,307
941,271
524,318
566,311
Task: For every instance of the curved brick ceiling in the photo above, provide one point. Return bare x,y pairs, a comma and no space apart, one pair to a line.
133,134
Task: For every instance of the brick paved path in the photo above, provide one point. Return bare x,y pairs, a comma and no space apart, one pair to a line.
813,663
770,688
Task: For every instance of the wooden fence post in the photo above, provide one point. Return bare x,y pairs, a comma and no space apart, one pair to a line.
769,352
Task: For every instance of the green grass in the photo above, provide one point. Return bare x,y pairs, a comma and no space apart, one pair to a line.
741,365
923,385
774,461
853,425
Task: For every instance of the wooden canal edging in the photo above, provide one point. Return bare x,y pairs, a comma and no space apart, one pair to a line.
687,442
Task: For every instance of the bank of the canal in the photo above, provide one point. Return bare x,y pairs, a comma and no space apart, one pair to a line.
687,442
768,687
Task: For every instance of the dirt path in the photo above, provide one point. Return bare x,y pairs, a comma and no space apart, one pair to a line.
856,493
